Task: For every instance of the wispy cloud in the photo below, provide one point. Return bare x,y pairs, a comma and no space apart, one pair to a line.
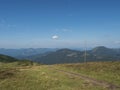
64,30
4,25
11,25
117,42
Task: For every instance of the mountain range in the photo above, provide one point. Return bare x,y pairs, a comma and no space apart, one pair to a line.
7,59
25,52
100,53
58,56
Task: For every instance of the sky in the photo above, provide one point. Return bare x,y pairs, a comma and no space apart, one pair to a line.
59,23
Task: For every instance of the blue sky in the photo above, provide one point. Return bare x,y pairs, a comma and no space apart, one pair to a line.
33,23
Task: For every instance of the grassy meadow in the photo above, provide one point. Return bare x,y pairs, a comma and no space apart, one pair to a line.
20,76
105,71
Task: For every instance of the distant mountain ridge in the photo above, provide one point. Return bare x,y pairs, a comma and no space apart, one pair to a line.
6,59
57,56
25,52
100,53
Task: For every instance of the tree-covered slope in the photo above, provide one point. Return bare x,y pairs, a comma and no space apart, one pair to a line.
5,58
72,56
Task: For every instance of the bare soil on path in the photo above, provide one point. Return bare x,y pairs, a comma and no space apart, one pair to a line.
104,84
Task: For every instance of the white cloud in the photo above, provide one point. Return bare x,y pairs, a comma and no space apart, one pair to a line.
55,37
66,30
117,42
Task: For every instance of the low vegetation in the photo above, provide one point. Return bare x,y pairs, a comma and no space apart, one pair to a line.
105,71
26,75
39,77
7,59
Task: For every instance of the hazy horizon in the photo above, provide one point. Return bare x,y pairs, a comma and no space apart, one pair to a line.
59,23
72,48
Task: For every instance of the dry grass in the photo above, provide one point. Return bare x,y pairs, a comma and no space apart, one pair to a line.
40,78
106,71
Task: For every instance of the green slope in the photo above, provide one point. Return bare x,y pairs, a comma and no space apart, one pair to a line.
7,59
43,77
106,71
72,56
